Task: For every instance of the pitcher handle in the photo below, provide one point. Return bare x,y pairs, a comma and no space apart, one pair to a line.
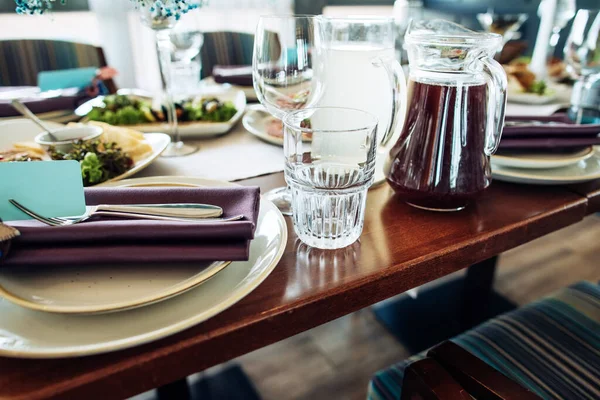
399,98
497,84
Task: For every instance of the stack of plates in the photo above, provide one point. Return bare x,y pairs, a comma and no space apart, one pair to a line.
548,169
73,311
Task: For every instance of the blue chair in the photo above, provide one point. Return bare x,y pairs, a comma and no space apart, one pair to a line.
549,348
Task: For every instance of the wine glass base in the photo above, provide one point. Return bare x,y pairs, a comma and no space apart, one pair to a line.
282,198
179,149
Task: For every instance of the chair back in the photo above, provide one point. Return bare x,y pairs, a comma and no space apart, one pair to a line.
21,60
226,48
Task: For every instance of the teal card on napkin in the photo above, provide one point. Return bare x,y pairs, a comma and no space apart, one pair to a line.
66,78
49,188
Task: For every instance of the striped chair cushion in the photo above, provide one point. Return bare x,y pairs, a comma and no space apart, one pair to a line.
226,48
551,346
21,60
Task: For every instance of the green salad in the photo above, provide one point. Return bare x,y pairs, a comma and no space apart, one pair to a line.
99,161
129,110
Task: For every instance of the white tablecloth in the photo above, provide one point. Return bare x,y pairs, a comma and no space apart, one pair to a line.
235,155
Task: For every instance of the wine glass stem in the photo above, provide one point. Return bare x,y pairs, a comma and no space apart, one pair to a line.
163,46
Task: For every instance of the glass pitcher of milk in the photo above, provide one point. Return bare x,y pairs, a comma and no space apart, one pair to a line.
361,72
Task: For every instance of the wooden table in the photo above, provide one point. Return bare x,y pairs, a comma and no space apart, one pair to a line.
401,248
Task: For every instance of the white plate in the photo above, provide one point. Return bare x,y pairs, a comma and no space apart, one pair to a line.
186,129
101,289
23,130
583,171
516,95
26,333
256,120
541,161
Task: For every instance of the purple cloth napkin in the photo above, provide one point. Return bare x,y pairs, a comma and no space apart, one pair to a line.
41,105
240,75
565,135
146,241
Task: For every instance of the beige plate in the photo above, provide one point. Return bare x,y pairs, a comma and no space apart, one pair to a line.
541,161
27,333
100,289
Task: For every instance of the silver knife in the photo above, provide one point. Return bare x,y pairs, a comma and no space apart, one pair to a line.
178,210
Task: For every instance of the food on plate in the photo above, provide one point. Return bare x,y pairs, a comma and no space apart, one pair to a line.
274,128
112,154
521,79
131,110
25,151
130,141
100,161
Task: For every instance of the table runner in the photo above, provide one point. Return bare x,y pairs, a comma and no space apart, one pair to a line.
233,156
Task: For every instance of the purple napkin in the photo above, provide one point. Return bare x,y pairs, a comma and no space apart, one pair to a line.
240,75
41,105
146,241
566,134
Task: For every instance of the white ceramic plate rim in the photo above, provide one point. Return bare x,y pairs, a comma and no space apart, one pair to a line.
510,175
159,142
164,294
252,112
235,296
540,162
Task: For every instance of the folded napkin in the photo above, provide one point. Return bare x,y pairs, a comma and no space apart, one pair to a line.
565,134
68,100
145,241
240,75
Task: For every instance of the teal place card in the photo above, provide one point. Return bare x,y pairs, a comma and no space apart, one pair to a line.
66,78
49,188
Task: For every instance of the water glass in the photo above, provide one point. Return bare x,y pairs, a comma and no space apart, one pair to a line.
330,176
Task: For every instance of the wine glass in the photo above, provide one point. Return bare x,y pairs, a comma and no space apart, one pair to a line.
582,53
287,68
186,64
162,24
506,25
565,11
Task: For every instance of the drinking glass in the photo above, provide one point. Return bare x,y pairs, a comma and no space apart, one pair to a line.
582,55
162,26
285,64
186,65
329,178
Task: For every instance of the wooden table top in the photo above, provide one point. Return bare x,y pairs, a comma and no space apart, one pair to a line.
401,248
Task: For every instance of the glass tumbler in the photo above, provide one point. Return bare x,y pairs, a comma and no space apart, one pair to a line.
330,176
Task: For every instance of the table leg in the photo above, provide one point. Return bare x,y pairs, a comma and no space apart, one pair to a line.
477,293
445,310
175,390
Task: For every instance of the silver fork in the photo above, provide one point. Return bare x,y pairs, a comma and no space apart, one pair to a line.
57,221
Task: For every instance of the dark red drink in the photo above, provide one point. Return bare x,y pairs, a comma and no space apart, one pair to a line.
439,161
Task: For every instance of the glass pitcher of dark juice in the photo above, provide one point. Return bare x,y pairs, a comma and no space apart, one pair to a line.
455,115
